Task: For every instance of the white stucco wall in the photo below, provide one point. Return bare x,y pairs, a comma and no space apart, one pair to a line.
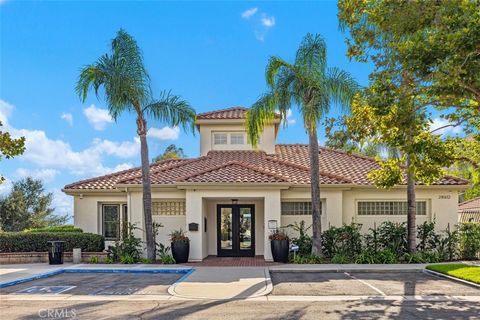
267,139
87,210
338,207
441,205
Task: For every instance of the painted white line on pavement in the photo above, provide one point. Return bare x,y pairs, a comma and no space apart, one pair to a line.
366,283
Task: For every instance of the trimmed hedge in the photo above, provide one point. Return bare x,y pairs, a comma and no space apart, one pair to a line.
37,241
64,228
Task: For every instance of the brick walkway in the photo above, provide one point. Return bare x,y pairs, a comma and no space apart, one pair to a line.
213,261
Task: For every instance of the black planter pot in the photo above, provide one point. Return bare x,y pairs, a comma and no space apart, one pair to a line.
280,249
180,251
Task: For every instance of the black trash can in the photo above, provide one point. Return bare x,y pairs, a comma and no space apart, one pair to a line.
55,252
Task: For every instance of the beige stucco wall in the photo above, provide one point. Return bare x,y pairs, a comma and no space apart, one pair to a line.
442,205
170,223
87,211
338,207
267,139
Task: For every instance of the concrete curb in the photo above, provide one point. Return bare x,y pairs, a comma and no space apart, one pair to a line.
442,275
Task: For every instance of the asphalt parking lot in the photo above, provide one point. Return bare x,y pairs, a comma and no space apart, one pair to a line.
100,284
367,284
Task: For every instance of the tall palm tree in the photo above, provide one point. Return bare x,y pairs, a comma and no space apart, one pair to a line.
126,87
310,85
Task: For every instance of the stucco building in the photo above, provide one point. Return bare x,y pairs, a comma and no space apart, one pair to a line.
234,196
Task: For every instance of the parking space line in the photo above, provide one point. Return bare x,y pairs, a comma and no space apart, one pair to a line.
366,283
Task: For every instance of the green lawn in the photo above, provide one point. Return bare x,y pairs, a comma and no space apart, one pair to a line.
458,270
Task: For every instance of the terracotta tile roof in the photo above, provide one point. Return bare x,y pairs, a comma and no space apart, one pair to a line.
290,164
108,181
229,113
470,204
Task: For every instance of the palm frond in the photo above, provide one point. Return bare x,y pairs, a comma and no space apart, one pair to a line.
312,54
274,66
261,114
340,87
122,75
172,109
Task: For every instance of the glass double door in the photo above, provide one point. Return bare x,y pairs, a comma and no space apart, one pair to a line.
236,230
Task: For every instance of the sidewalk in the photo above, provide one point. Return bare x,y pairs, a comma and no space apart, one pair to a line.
221,283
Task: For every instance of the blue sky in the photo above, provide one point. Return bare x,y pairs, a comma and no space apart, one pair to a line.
213,54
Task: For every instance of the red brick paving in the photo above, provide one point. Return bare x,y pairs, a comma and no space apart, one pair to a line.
213,261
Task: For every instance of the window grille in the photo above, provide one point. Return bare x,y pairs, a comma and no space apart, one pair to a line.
297,208
219,138
237,138
388,208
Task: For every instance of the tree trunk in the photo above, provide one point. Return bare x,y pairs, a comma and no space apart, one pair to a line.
411,210
147,188
315,192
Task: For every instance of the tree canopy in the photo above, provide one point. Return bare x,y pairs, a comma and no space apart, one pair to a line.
10,147
171,152
28,206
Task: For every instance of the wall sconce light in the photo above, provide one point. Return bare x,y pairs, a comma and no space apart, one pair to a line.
234,201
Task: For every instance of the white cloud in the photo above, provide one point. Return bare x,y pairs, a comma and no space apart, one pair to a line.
5,111
441,122
55,153
268,21
249,13
98,118
6,186
165,133
124,149
62,203
290,120
46,175
68,117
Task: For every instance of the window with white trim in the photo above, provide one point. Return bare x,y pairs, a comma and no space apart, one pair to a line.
237,138
388,208
220,138
169,208
297,208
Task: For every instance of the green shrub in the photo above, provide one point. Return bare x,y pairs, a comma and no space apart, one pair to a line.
128,249
469,240
63,228
366,256
341,258
345,240
93,260
386,256
428,239
393,236
304,240
37,241
447,248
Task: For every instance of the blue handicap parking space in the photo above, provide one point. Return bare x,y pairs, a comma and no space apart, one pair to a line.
45,289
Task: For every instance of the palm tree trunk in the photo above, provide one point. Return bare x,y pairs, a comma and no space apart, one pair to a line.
147,188
411,210
315,192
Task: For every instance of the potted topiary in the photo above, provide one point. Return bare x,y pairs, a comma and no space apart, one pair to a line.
280,245
180,246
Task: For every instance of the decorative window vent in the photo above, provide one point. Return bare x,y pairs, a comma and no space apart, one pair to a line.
297,208
169,208
388,208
